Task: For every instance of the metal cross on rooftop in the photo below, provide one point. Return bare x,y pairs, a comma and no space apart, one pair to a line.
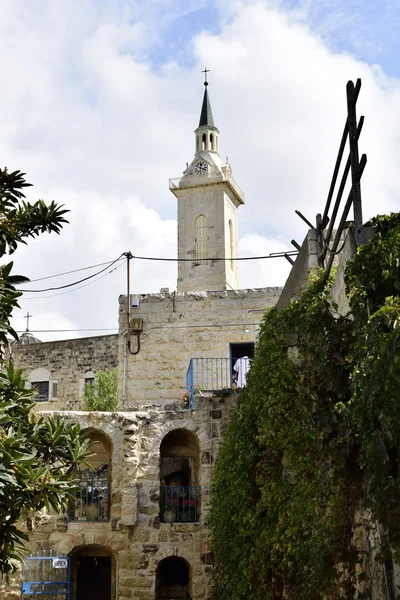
27,317
205,75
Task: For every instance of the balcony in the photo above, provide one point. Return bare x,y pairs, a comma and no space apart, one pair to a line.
92,497
176,183
215,376
179,503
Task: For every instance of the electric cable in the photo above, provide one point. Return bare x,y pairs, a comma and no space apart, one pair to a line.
61,287
74,290
204,326
109,263
272,255
69,272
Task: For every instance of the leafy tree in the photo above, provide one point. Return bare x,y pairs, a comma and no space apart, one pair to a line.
38,455
103,394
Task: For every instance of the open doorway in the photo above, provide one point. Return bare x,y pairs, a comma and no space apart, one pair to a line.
173,579
241,356
92,573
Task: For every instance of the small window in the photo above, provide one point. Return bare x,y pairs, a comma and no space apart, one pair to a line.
42,389
89,378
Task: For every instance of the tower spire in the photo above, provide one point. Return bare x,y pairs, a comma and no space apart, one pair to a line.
206,116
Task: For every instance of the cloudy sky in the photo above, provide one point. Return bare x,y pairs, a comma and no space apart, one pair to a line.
98,106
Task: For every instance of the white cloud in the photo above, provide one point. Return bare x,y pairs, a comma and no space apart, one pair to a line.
98,128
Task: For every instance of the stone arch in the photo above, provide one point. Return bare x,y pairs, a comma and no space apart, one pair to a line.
93,572
186,424
181,552
101,440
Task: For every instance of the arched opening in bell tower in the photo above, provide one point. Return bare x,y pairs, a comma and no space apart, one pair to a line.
204,141
212,145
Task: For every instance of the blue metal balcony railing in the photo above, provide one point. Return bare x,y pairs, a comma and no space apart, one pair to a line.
92,498
179,503
215,375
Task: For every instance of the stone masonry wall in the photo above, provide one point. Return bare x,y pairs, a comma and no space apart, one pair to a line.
68,361
178,327
134,533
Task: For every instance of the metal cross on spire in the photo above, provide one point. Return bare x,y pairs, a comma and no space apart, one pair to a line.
205,75
27,317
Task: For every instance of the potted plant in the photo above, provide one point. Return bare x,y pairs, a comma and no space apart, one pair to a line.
185,398
169,514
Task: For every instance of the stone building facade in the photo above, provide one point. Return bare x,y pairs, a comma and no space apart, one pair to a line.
66,366
139,527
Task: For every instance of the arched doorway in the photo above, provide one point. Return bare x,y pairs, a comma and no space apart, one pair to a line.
179,477
93,573
173,579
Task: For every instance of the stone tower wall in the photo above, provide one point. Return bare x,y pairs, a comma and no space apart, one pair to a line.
218,204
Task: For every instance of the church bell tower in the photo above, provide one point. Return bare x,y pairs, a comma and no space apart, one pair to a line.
208,199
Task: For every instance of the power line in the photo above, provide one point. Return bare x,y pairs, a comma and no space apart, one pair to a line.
204,326
75,289
271,255
63,330
69,272
62,287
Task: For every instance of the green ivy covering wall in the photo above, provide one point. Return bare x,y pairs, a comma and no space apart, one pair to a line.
315,434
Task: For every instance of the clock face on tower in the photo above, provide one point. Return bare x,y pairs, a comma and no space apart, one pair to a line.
200,167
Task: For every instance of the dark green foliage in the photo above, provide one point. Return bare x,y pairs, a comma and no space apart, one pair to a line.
37,456
315,432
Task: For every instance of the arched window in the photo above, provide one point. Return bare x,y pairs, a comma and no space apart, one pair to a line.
212,142
89,378
201,239
204,141
179,477
172,578
93,497
46,387
231,244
